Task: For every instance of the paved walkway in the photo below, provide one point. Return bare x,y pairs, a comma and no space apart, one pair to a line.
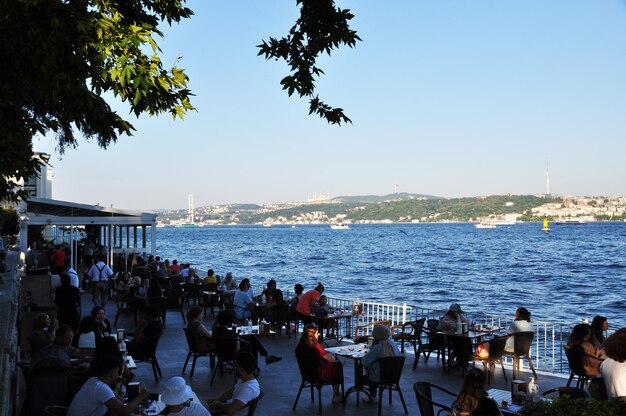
280,381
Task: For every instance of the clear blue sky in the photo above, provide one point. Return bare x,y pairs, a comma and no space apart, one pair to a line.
451,98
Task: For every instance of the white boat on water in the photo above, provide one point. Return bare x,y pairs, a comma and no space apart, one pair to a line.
485,225
570,221
339,227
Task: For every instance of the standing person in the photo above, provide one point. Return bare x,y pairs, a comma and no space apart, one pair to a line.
473,399
100,274
309,300
177,399
67,300
384,346
331,370
74,279
59,256
247,388
520,324
599,326
96,398
88,251
32,257
613,369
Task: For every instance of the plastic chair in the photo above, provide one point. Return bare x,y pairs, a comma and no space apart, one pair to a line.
147,354
572,392
522,342
424,396
310,372
191,343
390,373
496,351
252,404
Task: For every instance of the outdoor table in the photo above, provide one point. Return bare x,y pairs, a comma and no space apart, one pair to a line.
335,316
355,352
475,337
252,330
504,396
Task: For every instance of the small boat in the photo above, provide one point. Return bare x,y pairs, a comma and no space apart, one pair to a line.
570,221
339,226
267,224
485,225
545,228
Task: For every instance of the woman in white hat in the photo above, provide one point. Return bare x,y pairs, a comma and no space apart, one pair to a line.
383,347
177,397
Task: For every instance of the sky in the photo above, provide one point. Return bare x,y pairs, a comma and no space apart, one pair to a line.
447,97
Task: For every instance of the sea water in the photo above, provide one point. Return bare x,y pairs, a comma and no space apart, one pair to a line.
567,274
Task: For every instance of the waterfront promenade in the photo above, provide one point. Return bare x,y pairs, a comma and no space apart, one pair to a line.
280,381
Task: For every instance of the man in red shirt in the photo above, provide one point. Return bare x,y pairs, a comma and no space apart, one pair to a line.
308,300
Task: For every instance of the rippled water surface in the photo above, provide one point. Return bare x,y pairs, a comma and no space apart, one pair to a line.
568,273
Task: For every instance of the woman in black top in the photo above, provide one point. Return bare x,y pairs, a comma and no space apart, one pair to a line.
102,326
472,399
67,300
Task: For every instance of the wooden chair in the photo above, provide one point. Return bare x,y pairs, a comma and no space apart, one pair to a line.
310,369
424,396
390,373
193,351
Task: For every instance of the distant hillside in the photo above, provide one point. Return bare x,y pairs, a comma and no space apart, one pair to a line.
374,199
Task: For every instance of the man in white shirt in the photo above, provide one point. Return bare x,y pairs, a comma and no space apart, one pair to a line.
242,301
74,280
176,396
233,400
96,398
100,274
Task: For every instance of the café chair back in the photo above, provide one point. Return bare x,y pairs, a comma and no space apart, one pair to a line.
522,342
252,404
390,373
147,354
428,341
575,360
496,351
407,332
53,410
362,331
193,352
48,386
125,306
460,352
226,352
310,372
572,392
279,317
423,394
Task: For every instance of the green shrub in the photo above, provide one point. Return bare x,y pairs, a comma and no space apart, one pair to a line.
566,406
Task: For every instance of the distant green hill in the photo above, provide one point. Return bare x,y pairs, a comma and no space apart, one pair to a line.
373,199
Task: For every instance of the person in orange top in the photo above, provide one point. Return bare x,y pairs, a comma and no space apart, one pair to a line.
308,300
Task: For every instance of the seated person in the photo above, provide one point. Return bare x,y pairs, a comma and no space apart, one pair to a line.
579,340
154,288
299,292
233,400
252,344
383,346
152,328
43,331
210,277
229,282
271,295
123,283
613,368
177,399
109,346
85,337
599,326
451,318
195,325
473,399
242,301
322,310
141,295
59,353
102,326
331,369
520,324
96,398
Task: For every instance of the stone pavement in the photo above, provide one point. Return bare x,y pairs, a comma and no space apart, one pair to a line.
280,381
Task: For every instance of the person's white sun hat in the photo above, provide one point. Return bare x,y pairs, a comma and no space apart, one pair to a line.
176,391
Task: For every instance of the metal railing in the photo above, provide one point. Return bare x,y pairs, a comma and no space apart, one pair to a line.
547,351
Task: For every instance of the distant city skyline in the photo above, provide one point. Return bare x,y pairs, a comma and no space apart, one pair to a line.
453,99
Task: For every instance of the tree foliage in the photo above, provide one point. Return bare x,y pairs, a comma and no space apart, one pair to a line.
58,59
321,28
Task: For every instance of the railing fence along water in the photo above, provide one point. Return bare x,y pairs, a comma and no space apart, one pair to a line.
547,350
